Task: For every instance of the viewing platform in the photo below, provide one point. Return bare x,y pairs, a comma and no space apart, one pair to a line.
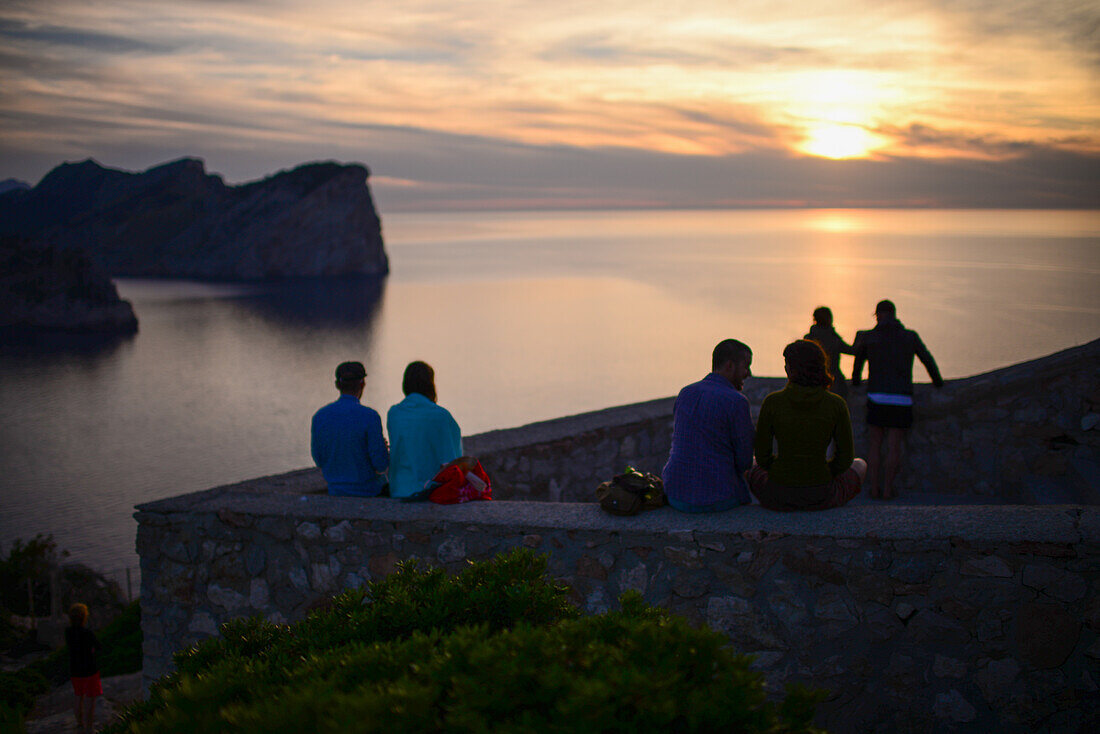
915,617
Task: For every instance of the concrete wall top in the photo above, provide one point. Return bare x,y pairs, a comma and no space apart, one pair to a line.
993,523
556,429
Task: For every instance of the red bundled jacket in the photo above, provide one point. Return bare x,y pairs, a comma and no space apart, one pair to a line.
462,480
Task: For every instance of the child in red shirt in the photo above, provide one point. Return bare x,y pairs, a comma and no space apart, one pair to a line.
83,647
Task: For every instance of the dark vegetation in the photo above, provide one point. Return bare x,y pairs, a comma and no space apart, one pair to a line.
35,561
494,648
27,564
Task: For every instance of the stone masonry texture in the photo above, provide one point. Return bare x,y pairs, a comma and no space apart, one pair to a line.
914,618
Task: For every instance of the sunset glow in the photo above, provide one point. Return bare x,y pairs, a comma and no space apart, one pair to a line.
458,105
839,141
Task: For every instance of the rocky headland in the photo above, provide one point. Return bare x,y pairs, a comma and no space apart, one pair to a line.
46,288
13,184
178,221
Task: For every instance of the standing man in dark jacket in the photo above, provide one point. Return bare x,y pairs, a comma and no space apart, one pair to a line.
889,349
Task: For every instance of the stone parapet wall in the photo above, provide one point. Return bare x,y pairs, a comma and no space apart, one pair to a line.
1028,434
1025,434
916,618
564,459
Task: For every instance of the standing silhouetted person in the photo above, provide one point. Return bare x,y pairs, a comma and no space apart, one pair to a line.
83,669
824,334
889,349
712,436
346,439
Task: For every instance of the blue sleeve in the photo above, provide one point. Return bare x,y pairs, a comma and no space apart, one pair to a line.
743,435
376,445
314,443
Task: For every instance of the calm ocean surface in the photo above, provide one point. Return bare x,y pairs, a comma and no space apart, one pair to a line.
525,316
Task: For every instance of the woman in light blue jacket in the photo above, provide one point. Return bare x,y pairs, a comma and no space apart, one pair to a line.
423,435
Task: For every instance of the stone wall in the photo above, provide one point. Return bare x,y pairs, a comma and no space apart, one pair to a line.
915,618
1025,434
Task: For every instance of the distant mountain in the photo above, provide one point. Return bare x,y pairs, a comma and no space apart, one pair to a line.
175,220
12,184
43,287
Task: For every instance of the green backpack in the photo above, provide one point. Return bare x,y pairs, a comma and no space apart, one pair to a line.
631,492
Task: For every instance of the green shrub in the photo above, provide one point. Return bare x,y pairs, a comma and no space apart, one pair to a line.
121,642
11,720
496,648
18,691
500,593
31,561
9,633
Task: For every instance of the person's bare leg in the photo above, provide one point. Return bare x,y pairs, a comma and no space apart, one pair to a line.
894,438
874,446
89,716
78,709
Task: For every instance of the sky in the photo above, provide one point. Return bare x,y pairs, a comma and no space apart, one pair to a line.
525,104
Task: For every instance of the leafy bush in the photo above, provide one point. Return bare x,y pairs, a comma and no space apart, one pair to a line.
495,648
17,693
121,642
31,561
499,593
9,633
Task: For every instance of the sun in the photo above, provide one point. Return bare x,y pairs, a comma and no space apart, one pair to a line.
839,141
836,111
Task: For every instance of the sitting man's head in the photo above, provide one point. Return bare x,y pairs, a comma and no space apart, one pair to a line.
351,378
733,360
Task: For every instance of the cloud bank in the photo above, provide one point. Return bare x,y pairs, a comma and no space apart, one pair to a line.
529,104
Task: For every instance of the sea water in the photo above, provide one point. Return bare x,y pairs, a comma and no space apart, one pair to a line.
525,316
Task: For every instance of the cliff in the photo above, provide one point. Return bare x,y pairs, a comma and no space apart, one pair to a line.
176,220
45,288
12,184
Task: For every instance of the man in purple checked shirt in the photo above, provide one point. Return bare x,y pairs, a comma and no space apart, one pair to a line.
712,436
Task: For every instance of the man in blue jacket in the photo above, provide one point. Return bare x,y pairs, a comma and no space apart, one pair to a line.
889,349
346,439
712,436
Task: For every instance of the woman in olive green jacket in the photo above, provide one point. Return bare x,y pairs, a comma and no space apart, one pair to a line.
800,421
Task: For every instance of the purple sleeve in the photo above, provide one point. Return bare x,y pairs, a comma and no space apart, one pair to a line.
743,435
